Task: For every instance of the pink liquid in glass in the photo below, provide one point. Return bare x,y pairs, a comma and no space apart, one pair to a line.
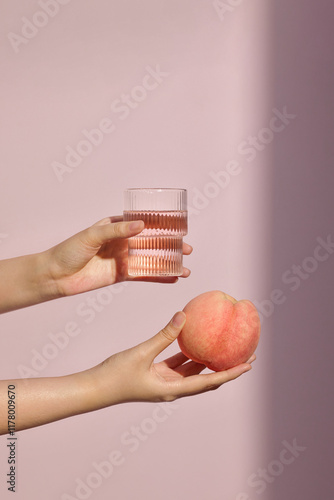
157,250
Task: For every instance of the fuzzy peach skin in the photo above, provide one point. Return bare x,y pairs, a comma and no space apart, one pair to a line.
220,332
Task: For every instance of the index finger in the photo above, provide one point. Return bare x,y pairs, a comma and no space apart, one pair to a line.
109,220
104,231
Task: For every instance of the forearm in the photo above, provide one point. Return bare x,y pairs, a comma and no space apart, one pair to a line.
25,281
35,402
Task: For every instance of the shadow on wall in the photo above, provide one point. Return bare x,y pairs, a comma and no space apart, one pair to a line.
303,243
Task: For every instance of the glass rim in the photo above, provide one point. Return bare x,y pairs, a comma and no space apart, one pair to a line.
155,199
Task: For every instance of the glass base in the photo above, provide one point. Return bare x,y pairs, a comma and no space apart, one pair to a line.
155,256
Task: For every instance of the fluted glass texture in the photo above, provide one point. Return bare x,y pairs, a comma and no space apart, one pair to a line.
157,250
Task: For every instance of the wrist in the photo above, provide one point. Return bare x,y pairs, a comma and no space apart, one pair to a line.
85,397
105,385
44,283
93,393
25,281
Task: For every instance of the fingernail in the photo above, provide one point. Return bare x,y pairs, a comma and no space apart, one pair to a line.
137,225
178,319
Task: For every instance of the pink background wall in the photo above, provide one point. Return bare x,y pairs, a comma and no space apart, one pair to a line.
225,79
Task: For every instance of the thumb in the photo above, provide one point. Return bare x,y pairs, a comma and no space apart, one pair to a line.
165,337
100,233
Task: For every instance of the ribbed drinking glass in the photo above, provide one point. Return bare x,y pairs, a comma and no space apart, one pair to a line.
157,250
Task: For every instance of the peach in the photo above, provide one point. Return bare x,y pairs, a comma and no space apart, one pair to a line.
220,332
